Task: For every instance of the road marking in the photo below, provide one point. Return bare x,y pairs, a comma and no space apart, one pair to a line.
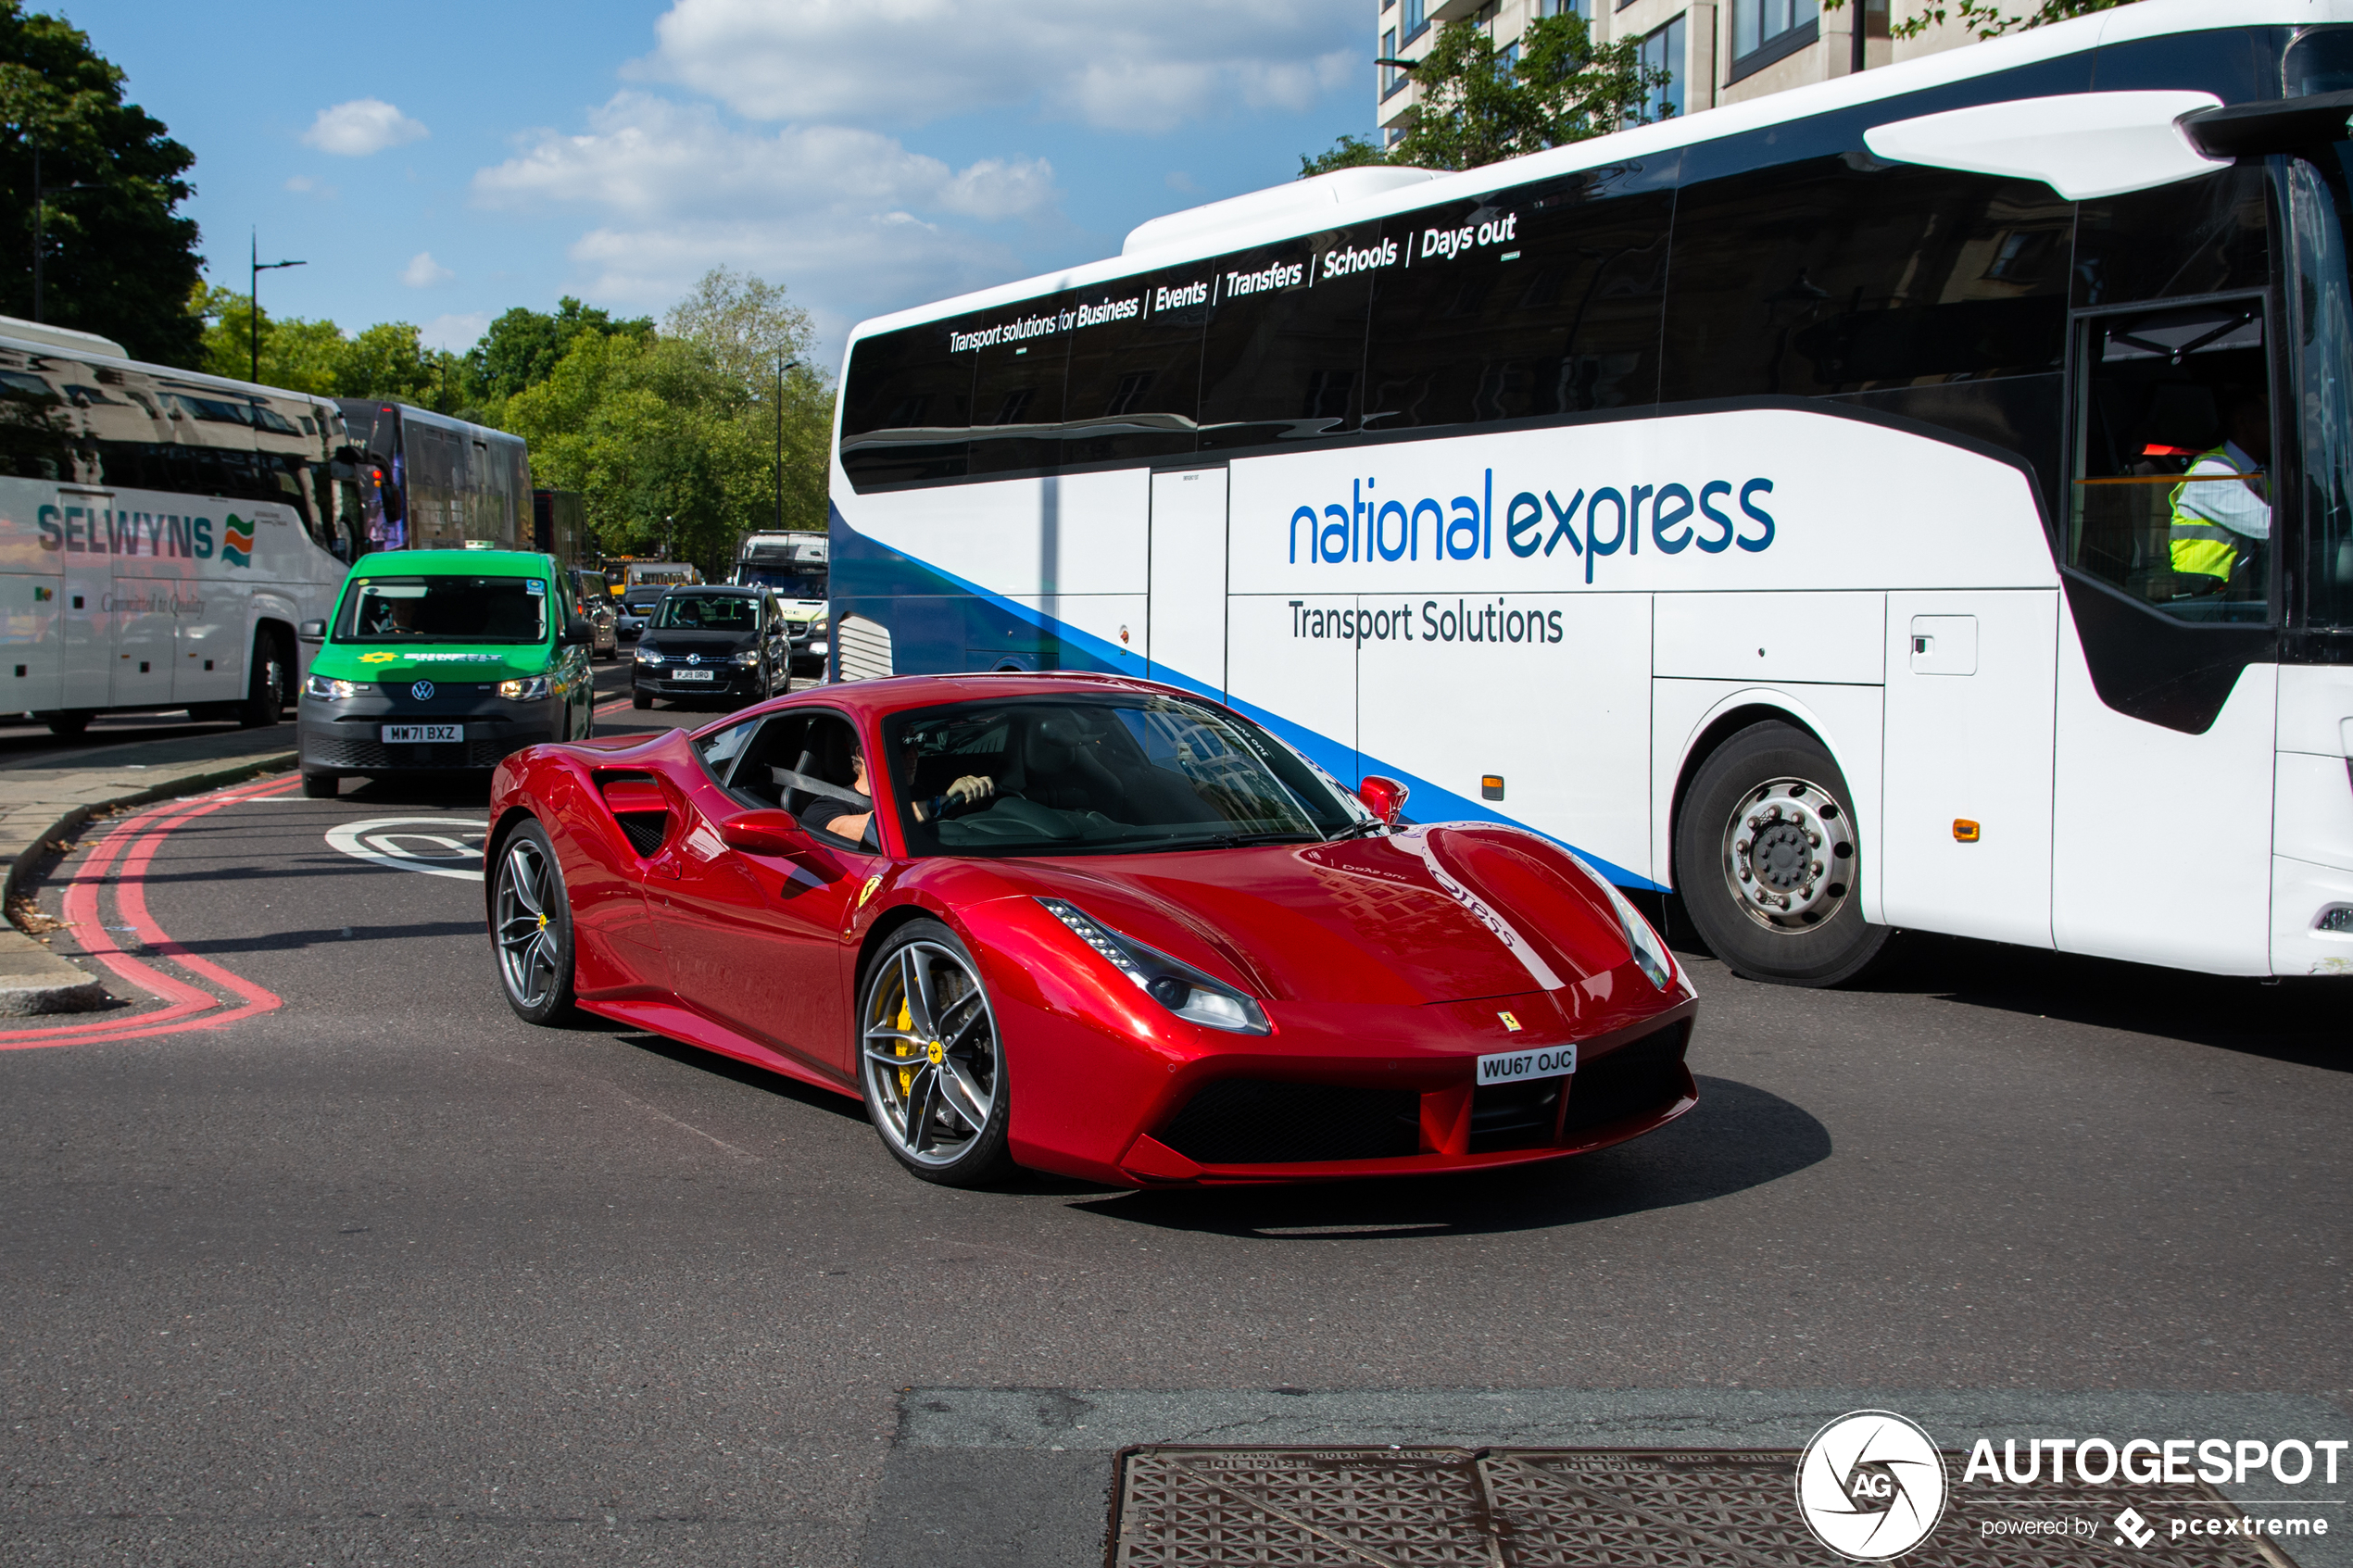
403,842
185,1006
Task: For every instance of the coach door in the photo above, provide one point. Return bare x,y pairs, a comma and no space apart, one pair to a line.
1185,626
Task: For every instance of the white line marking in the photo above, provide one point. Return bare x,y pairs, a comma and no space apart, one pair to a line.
404,843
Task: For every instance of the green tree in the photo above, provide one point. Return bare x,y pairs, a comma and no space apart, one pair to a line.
388,360
1477,107
298,355
117,257
671,440
1991,21
523,347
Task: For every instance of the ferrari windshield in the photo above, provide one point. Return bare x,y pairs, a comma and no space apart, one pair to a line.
1096,772
445,609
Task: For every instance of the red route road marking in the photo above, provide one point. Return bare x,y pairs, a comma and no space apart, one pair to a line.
186,1006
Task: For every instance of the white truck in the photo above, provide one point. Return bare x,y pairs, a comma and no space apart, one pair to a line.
795,566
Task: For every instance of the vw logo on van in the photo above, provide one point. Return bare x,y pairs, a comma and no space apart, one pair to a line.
421,691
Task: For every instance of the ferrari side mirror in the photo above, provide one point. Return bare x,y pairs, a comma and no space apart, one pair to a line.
766,832
1385,796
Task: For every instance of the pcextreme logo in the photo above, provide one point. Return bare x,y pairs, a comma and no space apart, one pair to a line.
1870,1486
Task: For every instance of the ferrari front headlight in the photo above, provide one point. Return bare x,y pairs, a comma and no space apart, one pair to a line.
1650,953
1176,985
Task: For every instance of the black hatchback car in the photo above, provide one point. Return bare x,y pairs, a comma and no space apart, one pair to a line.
713,643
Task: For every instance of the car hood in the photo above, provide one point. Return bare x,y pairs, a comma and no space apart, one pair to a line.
662,641
1430,914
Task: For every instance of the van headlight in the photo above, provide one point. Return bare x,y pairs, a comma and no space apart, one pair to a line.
1179,987
749,657
333,691
649,656
1650,953
530,688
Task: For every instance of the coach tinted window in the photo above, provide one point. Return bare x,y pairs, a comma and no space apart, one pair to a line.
2207,235
1283,358
1017,386
1134,383
1541,300
906,407
1843,274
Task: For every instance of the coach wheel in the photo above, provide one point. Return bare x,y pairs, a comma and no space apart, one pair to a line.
69,724
322,786
266,695
933,1066
639,699
1769,861
531,926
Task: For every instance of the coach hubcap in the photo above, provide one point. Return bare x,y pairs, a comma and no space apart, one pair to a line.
931,1056
1789,854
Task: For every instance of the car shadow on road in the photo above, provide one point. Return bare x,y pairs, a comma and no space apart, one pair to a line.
750,1074
1737,1137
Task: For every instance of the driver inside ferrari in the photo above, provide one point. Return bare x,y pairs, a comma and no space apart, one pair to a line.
841,818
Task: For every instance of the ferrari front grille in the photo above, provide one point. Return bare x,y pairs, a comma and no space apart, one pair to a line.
1275,1122
1640,1078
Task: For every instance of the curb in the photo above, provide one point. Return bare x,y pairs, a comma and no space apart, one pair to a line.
32,979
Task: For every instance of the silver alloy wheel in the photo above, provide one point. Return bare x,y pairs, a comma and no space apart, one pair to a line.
931,1056
528,891
1789,854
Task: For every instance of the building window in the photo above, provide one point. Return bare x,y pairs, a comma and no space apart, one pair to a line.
1509,57
1766,31
1414,23
1663,50
1565,8
1392,79
1391,135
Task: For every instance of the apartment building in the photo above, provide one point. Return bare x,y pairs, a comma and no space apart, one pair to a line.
1719,51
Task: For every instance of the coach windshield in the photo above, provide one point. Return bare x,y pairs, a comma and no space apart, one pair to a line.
1108,773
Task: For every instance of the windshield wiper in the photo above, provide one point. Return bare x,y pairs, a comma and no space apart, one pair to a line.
1359,830
1244,840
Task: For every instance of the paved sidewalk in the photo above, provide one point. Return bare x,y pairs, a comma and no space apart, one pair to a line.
42,805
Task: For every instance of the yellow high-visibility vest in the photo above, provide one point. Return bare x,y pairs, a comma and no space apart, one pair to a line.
2200,545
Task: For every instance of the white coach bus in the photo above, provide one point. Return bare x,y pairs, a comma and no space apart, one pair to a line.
162,533
1920,499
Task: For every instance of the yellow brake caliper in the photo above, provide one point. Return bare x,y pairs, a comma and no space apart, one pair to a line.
906,1075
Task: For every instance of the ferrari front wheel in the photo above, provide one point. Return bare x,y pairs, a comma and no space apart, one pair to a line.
531,927
931,1061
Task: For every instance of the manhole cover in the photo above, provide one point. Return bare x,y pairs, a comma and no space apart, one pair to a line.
1604,1507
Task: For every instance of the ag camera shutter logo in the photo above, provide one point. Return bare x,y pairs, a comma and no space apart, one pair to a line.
1872,1486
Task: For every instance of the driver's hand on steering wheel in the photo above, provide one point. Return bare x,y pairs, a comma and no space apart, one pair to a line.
970,787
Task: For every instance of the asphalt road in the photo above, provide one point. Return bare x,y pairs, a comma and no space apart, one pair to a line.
379,1273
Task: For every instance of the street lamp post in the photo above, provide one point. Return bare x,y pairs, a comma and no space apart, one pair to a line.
782,366
40,220
253,295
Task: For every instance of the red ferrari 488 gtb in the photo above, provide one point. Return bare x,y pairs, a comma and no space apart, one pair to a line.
1088,925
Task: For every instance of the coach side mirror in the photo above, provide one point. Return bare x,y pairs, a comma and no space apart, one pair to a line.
311,631
1385,796
766,832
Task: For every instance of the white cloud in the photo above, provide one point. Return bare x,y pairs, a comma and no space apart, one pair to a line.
849,218
646,158
361,127
1177,179
1129,67
304,185
424,272
456,332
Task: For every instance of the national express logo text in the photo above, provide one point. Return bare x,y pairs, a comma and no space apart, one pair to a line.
1592,524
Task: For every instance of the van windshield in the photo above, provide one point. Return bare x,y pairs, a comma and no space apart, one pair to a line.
445,609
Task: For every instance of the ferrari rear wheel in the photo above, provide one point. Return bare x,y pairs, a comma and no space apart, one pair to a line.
932,1063
531,927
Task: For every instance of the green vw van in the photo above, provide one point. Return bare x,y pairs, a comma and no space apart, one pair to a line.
440,659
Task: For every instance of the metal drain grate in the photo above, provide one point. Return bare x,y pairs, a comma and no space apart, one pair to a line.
1595,1508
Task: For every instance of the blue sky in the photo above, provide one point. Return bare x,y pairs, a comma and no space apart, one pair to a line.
438,162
